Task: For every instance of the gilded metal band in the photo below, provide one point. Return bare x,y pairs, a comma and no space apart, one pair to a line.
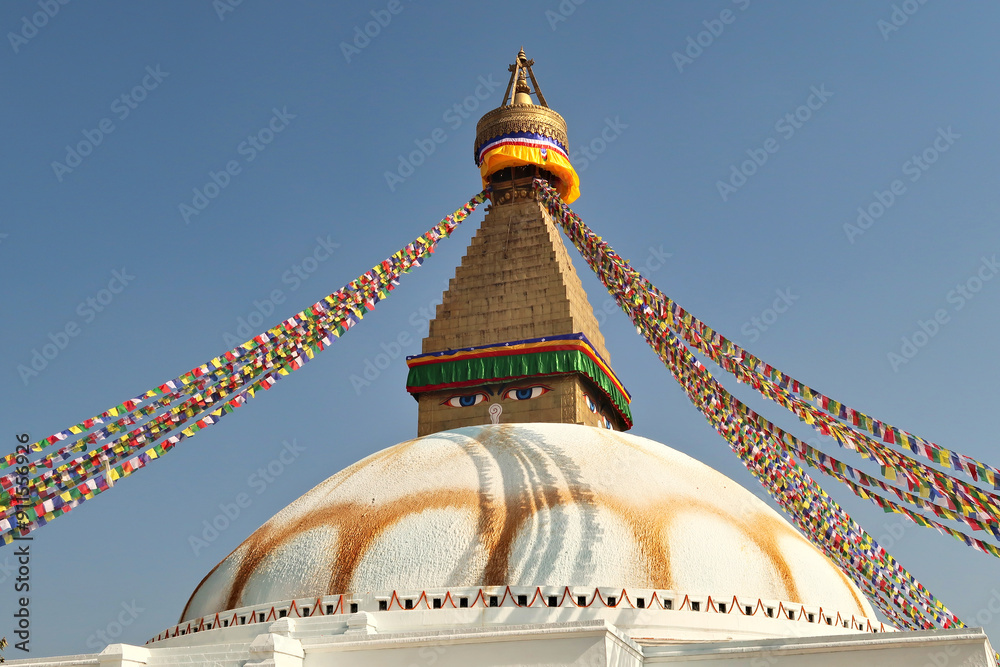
520,118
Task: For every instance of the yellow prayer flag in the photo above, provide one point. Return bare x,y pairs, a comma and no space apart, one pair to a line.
944,457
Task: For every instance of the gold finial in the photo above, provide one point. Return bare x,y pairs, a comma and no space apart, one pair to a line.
517,112
521,94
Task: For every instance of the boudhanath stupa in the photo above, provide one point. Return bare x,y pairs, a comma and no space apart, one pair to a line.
524,525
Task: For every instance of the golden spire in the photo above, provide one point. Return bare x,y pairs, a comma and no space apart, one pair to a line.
515,338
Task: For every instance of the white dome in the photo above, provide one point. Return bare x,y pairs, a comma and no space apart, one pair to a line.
526,505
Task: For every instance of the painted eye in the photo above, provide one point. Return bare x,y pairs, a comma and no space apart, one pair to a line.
466,400
526,393
590,403
605,422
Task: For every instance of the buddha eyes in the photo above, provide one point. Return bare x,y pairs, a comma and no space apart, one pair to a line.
526,393
515,394
467,400
605,422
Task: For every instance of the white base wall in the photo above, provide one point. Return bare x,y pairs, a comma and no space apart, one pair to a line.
355,641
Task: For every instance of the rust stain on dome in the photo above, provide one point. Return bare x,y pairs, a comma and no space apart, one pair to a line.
502,522
266,535
359,526
517,480
763,531
649,523
647,529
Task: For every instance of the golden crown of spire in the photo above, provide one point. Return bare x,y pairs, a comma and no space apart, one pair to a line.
517,112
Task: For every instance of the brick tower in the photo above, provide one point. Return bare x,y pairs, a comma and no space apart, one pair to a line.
515,338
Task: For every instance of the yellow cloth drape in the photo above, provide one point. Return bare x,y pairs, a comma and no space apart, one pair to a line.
502,157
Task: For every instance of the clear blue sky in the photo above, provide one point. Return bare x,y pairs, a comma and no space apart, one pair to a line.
207,82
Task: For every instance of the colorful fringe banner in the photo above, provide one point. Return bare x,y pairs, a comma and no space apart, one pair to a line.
552,355
35,493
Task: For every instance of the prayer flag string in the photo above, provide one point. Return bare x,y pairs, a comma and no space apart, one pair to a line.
764,448
34,492
966,503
